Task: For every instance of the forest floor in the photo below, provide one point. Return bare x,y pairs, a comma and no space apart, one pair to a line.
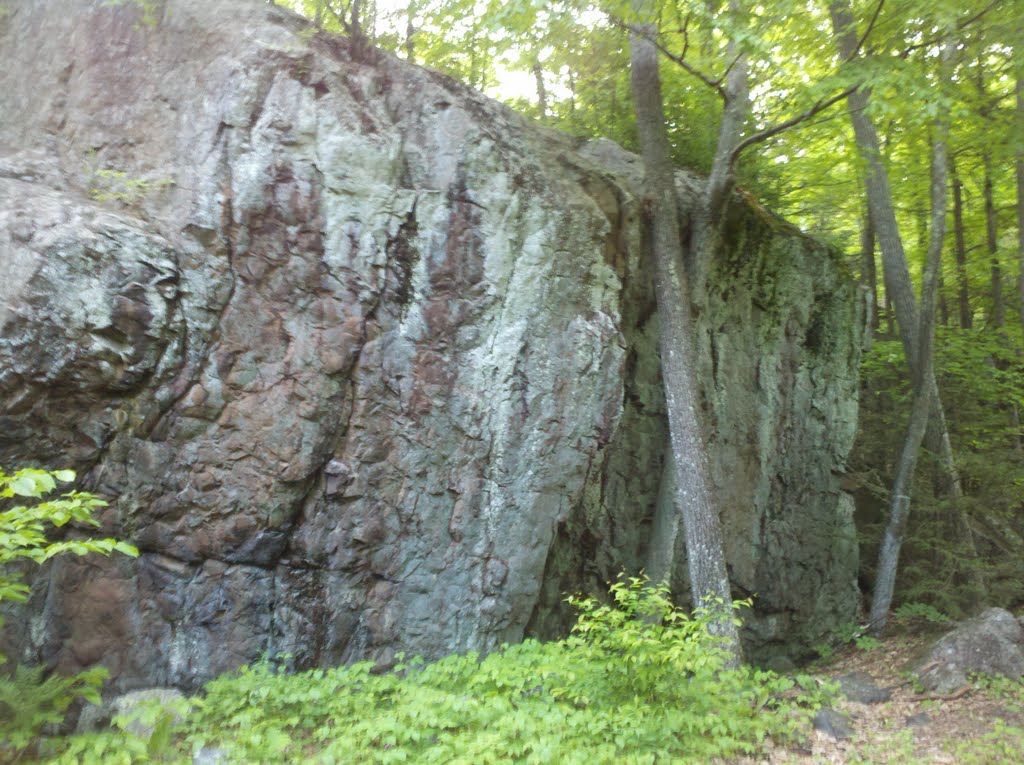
980,725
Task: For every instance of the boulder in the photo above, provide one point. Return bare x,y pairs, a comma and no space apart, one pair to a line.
860,687
365,362
136,707
990,643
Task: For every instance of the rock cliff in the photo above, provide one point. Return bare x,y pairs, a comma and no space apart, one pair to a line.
365,361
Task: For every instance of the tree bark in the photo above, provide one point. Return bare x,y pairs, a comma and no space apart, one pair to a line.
898,286
709,578
992,243
963,293
899,290
1020,201
869,272
542,93
899,504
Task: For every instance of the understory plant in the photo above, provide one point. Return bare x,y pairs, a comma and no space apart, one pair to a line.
29,699
637,681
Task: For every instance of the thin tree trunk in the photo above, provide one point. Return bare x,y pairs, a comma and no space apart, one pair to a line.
869,272
992,243
898,286
899,289
1020,202
963,293
542,93
410,32
709,578
899,504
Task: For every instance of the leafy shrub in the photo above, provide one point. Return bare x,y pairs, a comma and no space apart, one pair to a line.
638,681
844,636
921,612
27,700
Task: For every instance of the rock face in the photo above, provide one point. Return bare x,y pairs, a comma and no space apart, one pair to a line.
365,361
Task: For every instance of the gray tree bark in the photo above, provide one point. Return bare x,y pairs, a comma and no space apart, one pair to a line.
695,503
896,274
898,286
869,272
992,244
963,292
899,504
1020,201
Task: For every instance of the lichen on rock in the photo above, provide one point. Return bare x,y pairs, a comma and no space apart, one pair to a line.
369,362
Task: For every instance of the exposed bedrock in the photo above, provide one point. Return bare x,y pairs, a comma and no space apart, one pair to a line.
365,361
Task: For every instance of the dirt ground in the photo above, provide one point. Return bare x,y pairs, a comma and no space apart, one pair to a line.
976,726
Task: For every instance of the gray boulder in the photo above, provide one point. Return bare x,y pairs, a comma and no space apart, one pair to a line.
366,362
136,706
860,687
990,643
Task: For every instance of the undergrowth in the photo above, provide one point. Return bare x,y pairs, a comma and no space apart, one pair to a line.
638,681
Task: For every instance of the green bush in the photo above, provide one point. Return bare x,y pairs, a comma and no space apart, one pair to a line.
638,681
28,701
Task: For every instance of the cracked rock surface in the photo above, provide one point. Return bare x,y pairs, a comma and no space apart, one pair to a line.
365,361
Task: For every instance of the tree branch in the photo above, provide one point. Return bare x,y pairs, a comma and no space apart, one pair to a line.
339,16
780,127
871,26
959,25
652,37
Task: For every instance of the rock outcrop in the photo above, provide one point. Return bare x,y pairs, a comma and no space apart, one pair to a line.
366,362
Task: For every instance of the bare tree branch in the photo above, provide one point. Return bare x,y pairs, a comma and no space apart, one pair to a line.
871,26
780,127
959,25
339,15
652,37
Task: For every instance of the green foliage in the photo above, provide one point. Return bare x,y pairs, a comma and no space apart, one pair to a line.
921,612
638,681
23,527
981,384
844,636
895,749
1003,743
1009,691
27,701
117,185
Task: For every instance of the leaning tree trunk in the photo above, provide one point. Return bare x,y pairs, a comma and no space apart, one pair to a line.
709,580
899,504
898,286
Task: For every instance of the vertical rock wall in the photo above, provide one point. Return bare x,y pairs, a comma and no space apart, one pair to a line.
365,361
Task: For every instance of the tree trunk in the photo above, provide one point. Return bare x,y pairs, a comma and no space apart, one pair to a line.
899,288
899,504
869,273
709,579
542,93
963,294
992,243
410,32
1020,201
